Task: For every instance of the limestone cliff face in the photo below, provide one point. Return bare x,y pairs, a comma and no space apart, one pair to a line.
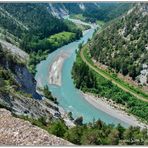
21,74
26,106
21,97
15,131
18,95
26,81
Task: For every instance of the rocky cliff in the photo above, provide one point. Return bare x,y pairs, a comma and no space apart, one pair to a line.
18,95
18,86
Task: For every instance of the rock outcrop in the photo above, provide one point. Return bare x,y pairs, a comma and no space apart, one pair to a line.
21,74
20,97
26,106
15,131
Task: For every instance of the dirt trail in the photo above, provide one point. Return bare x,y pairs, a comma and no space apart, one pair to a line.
109,78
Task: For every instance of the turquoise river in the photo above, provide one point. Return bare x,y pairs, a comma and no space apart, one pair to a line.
68,96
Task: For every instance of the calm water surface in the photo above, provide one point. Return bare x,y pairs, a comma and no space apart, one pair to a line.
68,96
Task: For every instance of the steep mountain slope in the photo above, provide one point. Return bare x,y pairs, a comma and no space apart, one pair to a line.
106,11
32,18
57,9
30,24
91,11
18,88
123,44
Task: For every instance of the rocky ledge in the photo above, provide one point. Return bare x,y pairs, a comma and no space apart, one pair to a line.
15,131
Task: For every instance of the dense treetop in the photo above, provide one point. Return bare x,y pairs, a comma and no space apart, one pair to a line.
35,17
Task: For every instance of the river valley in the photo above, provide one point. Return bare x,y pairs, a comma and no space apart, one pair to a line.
70,98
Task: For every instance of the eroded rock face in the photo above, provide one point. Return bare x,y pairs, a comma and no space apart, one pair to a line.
21,97
15,131
21,105
22,55
21,74
26,80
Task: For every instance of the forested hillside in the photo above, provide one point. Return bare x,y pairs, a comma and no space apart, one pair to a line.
34,17
92,11
30,24
123,45
106,12
33,28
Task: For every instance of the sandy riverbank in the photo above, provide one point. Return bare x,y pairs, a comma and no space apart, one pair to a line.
112,109
55,70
